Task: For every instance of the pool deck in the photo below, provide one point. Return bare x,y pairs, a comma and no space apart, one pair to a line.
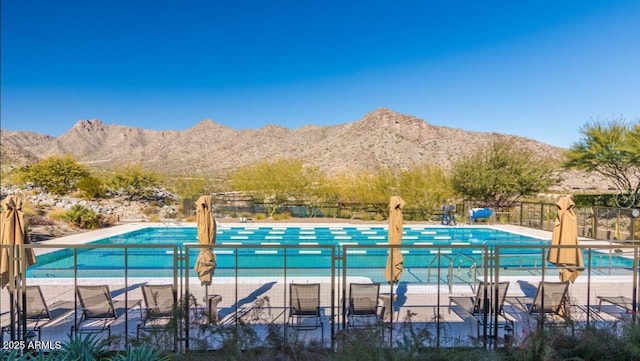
423,303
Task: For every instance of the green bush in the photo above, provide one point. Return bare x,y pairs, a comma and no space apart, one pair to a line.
259,216
91,188
281,216
142,353
57,175
134,181
88,348
81,217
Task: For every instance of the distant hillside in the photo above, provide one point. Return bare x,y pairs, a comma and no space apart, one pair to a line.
380,138
13,146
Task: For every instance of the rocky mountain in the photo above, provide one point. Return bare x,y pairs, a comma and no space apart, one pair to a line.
381,138
14,144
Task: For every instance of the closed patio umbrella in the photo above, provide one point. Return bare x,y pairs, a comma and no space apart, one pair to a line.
14,259
394,268
565,233
206,261
13,233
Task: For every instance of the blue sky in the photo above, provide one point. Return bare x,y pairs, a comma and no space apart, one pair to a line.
539,69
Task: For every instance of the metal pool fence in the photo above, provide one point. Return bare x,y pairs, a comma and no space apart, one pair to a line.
597,222
252,288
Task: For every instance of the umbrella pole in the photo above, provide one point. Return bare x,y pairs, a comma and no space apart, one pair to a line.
13,318
391,304
206,300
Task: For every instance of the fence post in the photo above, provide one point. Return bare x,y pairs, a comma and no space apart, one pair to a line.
595,222
541,215
633,227
521,214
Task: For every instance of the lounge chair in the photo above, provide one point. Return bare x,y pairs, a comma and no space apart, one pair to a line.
38,312
363,304
550,302
160,301
304,307
5,323
481,311
99,311
621,301
551,299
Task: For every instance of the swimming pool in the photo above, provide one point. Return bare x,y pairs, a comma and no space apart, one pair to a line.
257,250
292,235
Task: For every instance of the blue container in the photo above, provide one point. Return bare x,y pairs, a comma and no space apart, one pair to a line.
480,213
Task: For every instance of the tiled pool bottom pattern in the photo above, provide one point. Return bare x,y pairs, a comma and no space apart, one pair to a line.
269,255
267,251
339,235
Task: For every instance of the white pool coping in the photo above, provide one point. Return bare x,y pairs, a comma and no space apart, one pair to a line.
91,236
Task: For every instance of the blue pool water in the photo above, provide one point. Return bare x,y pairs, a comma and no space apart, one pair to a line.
323,235
273,248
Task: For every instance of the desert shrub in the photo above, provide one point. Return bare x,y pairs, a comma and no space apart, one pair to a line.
89,347
10,175
190,187
142,353
501,175
11,355
108,221
81,217
29,210
366,216
631,337
575,343
91,188
34,216
134,181
329,212
281,216
39,221
259,216
536,346
57,214
55,174
502,219
362,344
150,209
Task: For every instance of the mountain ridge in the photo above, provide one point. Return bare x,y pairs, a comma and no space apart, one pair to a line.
380,138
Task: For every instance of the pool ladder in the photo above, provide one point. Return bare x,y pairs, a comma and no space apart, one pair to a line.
473,269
